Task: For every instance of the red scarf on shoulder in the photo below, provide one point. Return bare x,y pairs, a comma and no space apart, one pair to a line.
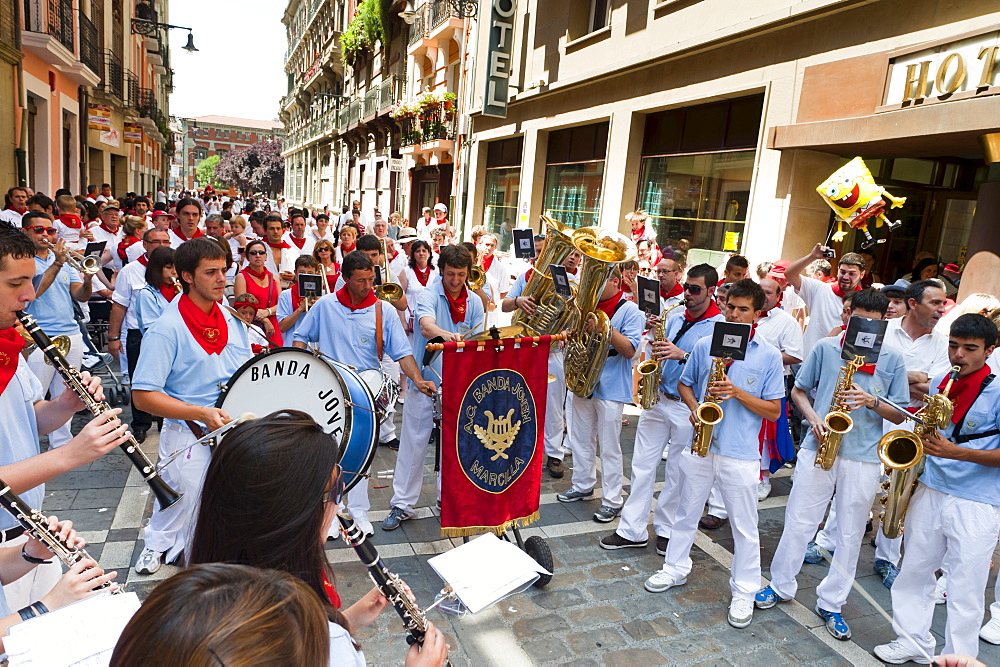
168,291
209,330
488,261
283,244
423,275
608,305
345,300
677,289
197,234
11,344
712,311
299,243
838,292
70,220
964,391
457,305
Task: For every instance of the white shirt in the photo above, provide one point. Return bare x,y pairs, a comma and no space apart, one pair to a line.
307,246
135,251
398,264
112,240
176,240
316,238
131,279
790,301
927,354
825,309
499,275
782,331
288,257
11,216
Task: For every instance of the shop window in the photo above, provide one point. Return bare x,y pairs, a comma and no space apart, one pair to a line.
502,195
574,174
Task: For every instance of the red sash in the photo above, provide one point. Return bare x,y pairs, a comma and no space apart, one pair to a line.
345,299
144,259
123,245
70,220
209,330
11,344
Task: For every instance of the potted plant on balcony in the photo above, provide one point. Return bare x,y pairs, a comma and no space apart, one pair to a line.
448,101
429,101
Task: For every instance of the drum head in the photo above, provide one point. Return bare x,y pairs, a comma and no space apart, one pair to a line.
288,378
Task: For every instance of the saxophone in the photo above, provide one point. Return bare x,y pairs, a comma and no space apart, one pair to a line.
709,412
838,420
902,454
651,369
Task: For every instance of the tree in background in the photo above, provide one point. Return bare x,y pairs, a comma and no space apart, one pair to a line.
205,172
256,168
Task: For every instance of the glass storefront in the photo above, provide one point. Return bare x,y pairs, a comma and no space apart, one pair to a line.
502,194
701,198
573,193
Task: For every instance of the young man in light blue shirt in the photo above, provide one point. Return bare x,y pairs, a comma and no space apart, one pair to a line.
954,514
856,472
756,387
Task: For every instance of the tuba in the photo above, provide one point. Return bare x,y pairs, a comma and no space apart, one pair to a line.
709,412
551,309
902,454
651,369
587,352
838,420
387,291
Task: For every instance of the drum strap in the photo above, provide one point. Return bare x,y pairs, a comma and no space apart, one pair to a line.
378,329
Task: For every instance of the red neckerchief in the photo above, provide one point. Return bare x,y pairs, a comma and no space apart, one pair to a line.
123,246
457,305
395,254
609,305
197,234
144,259
209,330
675,290
331,592
711,311
299,243
345,299
964,391
264,273
344,249
18,211
113,232
863,368
256,349
836,290
423,275
637,235
527,275
829,279
573,271
487,262
11,344
70,220
276,246
168,292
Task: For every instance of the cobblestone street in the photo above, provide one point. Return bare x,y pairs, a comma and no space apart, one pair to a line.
595,611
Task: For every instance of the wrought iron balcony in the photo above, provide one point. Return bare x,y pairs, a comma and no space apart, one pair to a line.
55,20
113,75
417,29
132,89
90,52
148,107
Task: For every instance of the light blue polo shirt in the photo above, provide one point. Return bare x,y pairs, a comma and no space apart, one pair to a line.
821,370
149,305
616,377
963,479
760,374
672,370
284,310
53,310
433,303
173,363
19,430
349,336
517,289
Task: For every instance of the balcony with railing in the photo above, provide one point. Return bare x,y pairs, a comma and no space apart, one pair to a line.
148,106
132,89
112,75
50,34
90,50
323,125
430,129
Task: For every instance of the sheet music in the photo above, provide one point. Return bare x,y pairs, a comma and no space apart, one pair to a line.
87,632
486,570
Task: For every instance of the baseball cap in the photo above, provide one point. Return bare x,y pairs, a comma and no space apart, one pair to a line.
163,214
441,207
778,269
112,205
897,288
951,268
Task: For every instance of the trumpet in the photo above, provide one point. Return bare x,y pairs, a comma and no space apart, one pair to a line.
387,291
87,264
709,412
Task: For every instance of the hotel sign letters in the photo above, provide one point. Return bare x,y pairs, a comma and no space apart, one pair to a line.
501,45
947,70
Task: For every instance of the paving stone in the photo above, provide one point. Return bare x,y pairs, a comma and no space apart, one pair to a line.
97,498
689,647
651,629
582,662
600,639
559,599
705,618
810,650
532,627
781,627
612,590
595,616
615,570
632,657
566,579
546,650
122,534
690,597
521,607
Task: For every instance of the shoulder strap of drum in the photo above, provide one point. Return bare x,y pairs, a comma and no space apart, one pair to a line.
955,437
378,328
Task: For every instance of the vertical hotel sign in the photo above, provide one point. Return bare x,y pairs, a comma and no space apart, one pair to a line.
501,45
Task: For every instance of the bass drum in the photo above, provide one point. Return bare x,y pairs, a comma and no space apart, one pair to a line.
332,393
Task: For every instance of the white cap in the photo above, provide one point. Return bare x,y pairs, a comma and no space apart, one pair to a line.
440,207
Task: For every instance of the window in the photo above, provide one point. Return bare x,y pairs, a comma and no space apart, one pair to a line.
574,174
600,14
200,153
503,183
225,134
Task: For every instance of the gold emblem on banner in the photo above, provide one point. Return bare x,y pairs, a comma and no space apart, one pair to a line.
499,434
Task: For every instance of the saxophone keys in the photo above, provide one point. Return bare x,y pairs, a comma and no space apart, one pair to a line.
885,487
881,516
883,500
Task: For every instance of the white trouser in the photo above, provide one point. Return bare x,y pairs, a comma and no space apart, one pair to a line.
387,427
890,550
418,422
665,424
34,585
555,395
568,419
597,423
738,481
856,484
995,607
53,382
716,507
960,534
169,530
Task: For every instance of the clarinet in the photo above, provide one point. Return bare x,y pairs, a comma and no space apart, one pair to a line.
36,525
392,587
165,495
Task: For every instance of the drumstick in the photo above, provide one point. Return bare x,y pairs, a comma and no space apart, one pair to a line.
206,439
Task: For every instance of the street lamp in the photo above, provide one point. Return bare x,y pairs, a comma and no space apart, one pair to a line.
461,8
146,28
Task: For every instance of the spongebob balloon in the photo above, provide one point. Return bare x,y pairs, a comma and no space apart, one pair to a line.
853,195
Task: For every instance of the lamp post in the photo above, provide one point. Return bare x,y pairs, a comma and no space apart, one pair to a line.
147,28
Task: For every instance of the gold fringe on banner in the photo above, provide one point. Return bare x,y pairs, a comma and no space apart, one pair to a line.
469,531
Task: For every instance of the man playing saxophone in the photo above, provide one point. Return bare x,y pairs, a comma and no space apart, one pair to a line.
855,473
954,514
756,386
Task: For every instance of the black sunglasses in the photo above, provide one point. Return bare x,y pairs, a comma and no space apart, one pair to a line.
336,493
694,289
257,252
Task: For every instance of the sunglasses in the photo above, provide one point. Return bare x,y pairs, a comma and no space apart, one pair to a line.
257,252
38,229
324,249
334,495
694,289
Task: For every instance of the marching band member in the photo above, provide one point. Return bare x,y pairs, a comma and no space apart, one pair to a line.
194,347
257,280
160,289
280,258
444,309
856,472
291,306
668,422
756,387
954,514
131,279
271,494
189,213
354,327
825,300
597,420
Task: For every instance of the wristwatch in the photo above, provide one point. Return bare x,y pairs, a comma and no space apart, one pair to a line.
687,355
111,339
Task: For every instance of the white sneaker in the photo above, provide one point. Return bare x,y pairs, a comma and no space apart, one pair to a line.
941,590
896,654
991,631
361,518
763,488
149,561
661,581
740,612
